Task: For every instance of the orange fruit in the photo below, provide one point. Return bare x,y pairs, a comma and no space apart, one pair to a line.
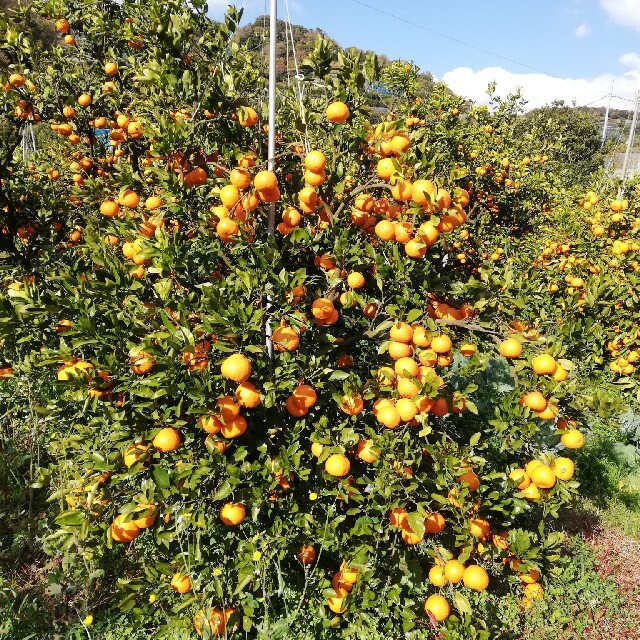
166,440
572,439
316,449
535,401
366,451
475,577
401,332
561,374
305,396
385,230
389,417
227,408
355,280
533,591
111,69
434,523
337,112
84,100
181,583
234,428
454,571
438,606
407,409
315,161
544,364
441,344
479,528
521,477
265,181
123,531
307,554
109,208
407,367
240,178
336,604
471,478
531,492
232,513
247,117
510,348
145,521
398,517
153,202
399,350
236,367
337,465
247,395
132,454
285,339
543,476
563,468
129,198
437,577
229,195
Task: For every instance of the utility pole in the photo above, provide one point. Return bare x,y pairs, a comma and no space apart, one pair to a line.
632,131
273,27
606,116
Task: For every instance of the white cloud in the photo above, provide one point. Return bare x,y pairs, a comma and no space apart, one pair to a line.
540,89
623,12
582,30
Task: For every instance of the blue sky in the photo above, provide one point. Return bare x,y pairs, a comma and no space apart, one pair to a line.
568,49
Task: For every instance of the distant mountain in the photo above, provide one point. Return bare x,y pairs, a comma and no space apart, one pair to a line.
256,35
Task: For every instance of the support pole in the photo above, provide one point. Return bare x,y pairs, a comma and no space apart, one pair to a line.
273,26
625,164
606,116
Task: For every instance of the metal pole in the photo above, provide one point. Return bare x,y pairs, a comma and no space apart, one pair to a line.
625,164
273,26
606,117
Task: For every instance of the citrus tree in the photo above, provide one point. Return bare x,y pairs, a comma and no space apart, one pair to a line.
304,430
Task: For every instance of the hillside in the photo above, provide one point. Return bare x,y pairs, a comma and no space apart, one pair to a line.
256,35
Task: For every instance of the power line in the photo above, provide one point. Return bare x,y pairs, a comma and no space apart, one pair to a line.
456,40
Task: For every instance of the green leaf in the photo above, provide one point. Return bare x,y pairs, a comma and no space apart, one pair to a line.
461,603
161,477
71,518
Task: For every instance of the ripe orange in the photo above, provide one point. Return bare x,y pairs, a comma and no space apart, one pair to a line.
285,339
111,69
247,117
438,606
386,168
401,332
355,280
407,409
129,198
265,181
62,25
454,571
229,195
572,439
544,364
316,449
123,531
533,591
510,348
398,517
234,428
109,208
337,112
543,476
166,440
535,401
385,230
471,478
479,528
247,395
437,577
132,454
434,523
336,605
84,100
521,477
389,417
563,468
407,367
337,465
476,578
366,451
441,344
181,583
307,554
236,367
232,513
531,492
153,202
315,161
